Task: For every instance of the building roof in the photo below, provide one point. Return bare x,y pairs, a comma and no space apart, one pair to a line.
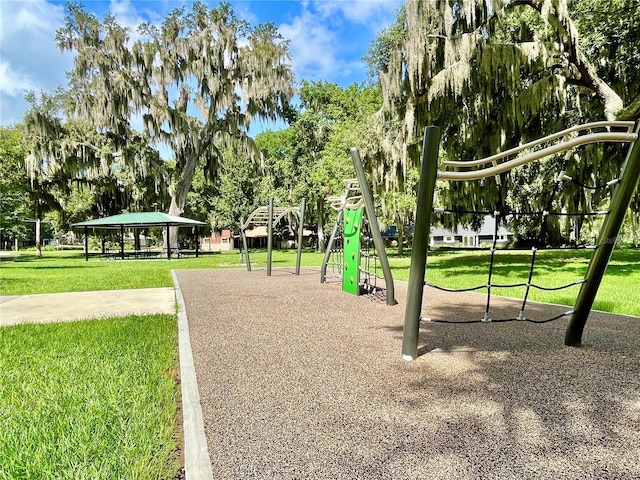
139,220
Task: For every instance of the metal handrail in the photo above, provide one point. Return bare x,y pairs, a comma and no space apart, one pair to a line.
347,200
260,216
623,137
627,125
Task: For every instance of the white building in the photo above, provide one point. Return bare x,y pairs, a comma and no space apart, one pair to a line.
466,237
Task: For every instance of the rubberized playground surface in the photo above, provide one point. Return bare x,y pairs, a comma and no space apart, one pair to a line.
301,380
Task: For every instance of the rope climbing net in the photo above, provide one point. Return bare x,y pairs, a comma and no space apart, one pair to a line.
561,179
490,286
622,189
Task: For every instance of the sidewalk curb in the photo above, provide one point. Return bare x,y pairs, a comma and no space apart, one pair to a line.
197,464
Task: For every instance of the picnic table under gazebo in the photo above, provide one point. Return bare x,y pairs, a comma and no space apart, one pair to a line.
137,220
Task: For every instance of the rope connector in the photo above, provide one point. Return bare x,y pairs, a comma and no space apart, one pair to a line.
424,319
486,318
563,177
521,315
613,182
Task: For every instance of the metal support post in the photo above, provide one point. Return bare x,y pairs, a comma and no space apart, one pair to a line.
620,201
245,245
86,244
122,242
375,228
300,235
424,206
270,237
168,242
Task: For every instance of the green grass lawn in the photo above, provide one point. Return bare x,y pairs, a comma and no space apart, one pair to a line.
68,271
93,399
618,292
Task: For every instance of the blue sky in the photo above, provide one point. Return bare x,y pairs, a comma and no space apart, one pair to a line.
328,38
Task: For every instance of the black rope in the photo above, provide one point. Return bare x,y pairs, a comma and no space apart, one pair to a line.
370,283
454,290
512,285
593,187
500,320
523,214
335,261
550,289
497,285
526,293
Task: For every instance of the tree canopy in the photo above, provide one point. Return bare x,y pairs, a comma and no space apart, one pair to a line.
494,73
196,81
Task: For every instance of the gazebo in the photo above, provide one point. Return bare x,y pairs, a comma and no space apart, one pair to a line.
136,220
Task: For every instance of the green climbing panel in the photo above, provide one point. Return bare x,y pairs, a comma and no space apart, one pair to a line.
351,261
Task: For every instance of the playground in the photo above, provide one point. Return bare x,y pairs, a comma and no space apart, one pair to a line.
298,380
299,372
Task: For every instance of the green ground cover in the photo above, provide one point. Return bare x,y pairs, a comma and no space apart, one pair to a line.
93,399
618,291
68,271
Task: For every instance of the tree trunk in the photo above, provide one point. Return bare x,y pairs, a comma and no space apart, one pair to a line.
38,239
179,191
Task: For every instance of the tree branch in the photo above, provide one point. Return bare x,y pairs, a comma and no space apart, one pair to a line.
612,102
632,112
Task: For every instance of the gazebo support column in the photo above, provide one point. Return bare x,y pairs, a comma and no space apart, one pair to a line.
168,242
86,244
122,242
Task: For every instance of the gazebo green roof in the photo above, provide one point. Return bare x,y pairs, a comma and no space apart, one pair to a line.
139,220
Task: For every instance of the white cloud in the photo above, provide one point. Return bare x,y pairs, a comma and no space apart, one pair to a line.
372,14
315,48
312,44
30,57
12,83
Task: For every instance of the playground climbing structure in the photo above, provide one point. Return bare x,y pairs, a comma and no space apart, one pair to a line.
270,216
355,251
622,189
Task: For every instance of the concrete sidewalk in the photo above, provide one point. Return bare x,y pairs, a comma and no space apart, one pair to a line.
62,307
